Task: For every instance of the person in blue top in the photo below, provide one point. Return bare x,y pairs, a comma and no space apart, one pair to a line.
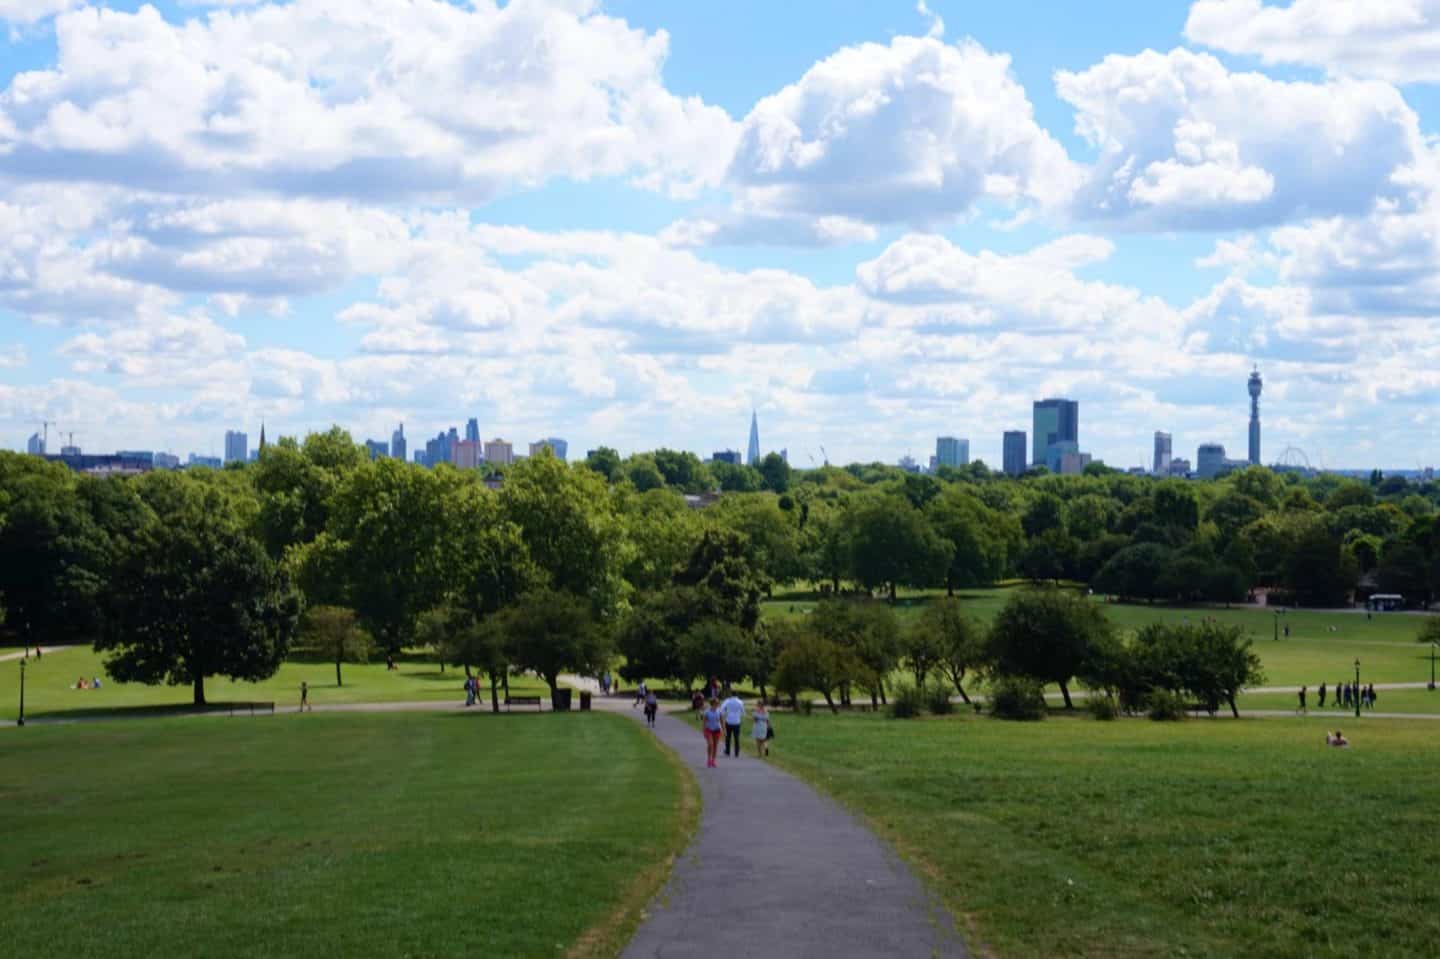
712,725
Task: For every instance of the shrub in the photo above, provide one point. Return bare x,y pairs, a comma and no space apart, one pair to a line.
1162,705
906,701
1015,697
1103,707
937,699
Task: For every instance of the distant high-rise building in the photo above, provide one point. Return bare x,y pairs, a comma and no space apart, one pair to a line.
1056,421
1255,387
1055,455
144,457
472,430
237,446
378,449
499,452
1210,460
1162,454
467,454
208,462
554,444
950,451
752,453
726,456
36,445
1013,454
908,464
167,461
397,443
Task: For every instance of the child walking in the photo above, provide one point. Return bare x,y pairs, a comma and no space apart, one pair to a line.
713,726
760,722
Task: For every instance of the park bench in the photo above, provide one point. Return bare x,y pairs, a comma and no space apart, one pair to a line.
251,708
523,701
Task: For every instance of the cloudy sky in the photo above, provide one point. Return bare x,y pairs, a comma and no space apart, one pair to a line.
630,222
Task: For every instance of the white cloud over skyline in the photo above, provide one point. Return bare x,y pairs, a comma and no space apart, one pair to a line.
281,212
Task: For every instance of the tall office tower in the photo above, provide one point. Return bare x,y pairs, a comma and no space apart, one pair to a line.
752,454
499,452
1256,386
468,454
558,446
397,443
950,451
472,430
36,446
1013,454
1210,460
1056,421
1162,454
377,449
451,438
237,446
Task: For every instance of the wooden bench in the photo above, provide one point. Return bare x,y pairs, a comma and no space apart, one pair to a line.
523,701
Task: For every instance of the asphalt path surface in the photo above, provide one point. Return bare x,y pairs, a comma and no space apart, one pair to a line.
778,869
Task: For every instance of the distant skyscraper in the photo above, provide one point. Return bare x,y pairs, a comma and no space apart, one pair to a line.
377,449
167,461
1056,421
468,454
1255,386
752,453
36,446
554,444
726,456
237,446
1210,460
397,443
950,451
472,430
499,452
1013,454
1162,453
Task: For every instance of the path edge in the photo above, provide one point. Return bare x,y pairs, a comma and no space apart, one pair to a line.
608,938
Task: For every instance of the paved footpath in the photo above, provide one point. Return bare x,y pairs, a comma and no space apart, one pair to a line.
778,869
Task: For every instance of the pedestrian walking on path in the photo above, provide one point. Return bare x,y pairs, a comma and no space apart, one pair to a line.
760,721
305,697
1302,700
652,706
734,710
1322,695
711,723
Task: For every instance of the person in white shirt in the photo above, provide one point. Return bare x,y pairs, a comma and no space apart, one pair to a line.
734,712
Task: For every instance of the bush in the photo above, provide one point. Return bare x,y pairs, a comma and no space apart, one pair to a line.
937,700
906,701
1103,707
1014,697
1164,706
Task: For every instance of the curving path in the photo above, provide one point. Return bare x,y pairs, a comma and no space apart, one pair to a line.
778,869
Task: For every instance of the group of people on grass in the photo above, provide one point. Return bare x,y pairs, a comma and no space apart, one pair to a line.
83,683
724,719
1346,695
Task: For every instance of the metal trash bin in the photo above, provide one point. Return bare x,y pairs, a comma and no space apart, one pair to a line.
560,702
585,700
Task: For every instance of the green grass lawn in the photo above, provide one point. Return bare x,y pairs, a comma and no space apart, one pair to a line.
333,835
1384,645
50,682
1078,838
1387,701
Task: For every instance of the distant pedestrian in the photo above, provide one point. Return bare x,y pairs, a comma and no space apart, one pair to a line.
38,652
1346,688
1287,630
1322,695
734,710
471,690
390,666
760,720
652,706
639,696
305,697
605,684
1372,695
697,701
1302,700
712,724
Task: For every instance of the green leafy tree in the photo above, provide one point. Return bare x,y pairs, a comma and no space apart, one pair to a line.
958,640
550,633
683,471
982,542
606,462
771,537
643,473
892,545
193,596
1048,635
810,662
737,478
1135,572
775,472
712,648
477,645
334,632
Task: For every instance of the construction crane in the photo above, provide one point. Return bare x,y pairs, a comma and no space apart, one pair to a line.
825,454
45,435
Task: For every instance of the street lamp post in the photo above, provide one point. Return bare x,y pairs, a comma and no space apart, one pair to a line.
1433,647
21,720
1277,626
1356,697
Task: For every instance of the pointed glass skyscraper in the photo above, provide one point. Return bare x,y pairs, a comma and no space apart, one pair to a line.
752,454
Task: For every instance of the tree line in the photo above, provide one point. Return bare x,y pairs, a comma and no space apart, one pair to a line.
179,576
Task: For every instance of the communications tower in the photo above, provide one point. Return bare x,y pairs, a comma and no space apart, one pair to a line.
1256,387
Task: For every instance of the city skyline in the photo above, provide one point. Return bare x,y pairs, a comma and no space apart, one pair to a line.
1133,214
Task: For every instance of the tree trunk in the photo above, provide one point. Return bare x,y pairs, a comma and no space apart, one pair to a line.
1065,691
1233,711
883,700
337,668
829,701
892,594
494,696
950,586
835,585
874,700
961,690
199,690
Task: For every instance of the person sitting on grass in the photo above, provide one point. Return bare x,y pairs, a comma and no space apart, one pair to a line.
1336,738
80,683
95,683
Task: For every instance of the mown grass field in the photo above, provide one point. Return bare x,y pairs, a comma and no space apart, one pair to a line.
333,835
1072,837
1322,646
50,685
1386,701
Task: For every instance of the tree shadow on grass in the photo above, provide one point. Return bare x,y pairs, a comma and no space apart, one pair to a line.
246,708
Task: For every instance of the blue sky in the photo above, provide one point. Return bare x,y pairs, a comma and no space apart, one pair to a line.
630,222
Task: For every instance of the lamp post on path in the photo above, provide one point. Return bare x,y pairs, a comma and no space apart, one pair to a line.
1356,697
21,720
1433,647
